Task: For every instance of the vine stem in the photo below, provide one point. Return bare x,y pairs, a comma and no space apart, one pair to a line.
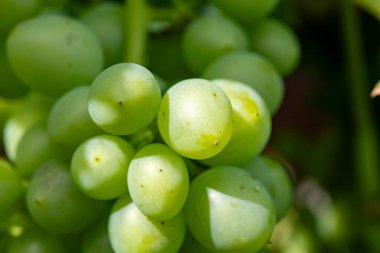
136,23
365,145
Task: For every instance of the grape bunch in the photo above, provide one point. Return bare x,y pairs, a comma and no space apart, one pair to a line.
162,152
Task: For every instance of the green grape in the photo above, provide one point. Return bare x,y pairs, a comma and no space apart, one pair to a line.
7,107
34,149
246,10
195,118
158,181
124,98
69,122
208,37
277,42
130,231
35,241
11,190
191,245
32,110
252,125
14,11
52,54
99,166
105,19
253,70
96,239
56,204
273,175
229,211
10,86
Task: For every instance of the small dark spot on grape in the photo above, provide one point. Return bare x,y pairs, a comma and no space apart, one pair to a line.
97,158
163,114
216,143
70,39
257,115
120,102
214,94
162,223
142,186
160,170
171,191
242,187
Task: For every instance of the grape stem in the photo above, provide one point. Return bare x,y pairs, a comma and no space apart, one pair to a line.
365,145
137,17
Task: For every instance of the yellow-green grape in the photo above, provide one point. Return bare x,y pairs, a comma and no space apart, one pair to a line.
32,110
11,190
277,41
99,166
69,122
274,176
195,118
52,53
130,231
158,181
34,149
56,204
253,70
252,125
229,211
105,19
124,98
208,37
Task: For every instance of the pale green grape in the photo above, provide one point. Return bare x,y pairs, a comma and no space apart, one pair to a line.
105,19
35,241
34,149
253,70
124,98
276,41
69,123
56,204
208,37
130,231
158,181
7,107
246,10
99,166
52,54
32,110
276,179
252,125
11,190
195,118
96,240
229,211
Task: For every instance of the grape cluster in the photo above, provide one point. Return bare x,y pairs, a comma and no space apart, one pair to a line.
107,155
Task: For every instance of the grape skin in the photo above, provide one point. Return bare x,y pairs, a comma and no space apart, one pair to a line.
158,181
195,118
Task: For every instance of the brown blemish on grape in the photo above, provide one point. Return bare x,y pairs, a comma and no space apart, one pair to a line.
160,170
120,103
97,159
216,143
